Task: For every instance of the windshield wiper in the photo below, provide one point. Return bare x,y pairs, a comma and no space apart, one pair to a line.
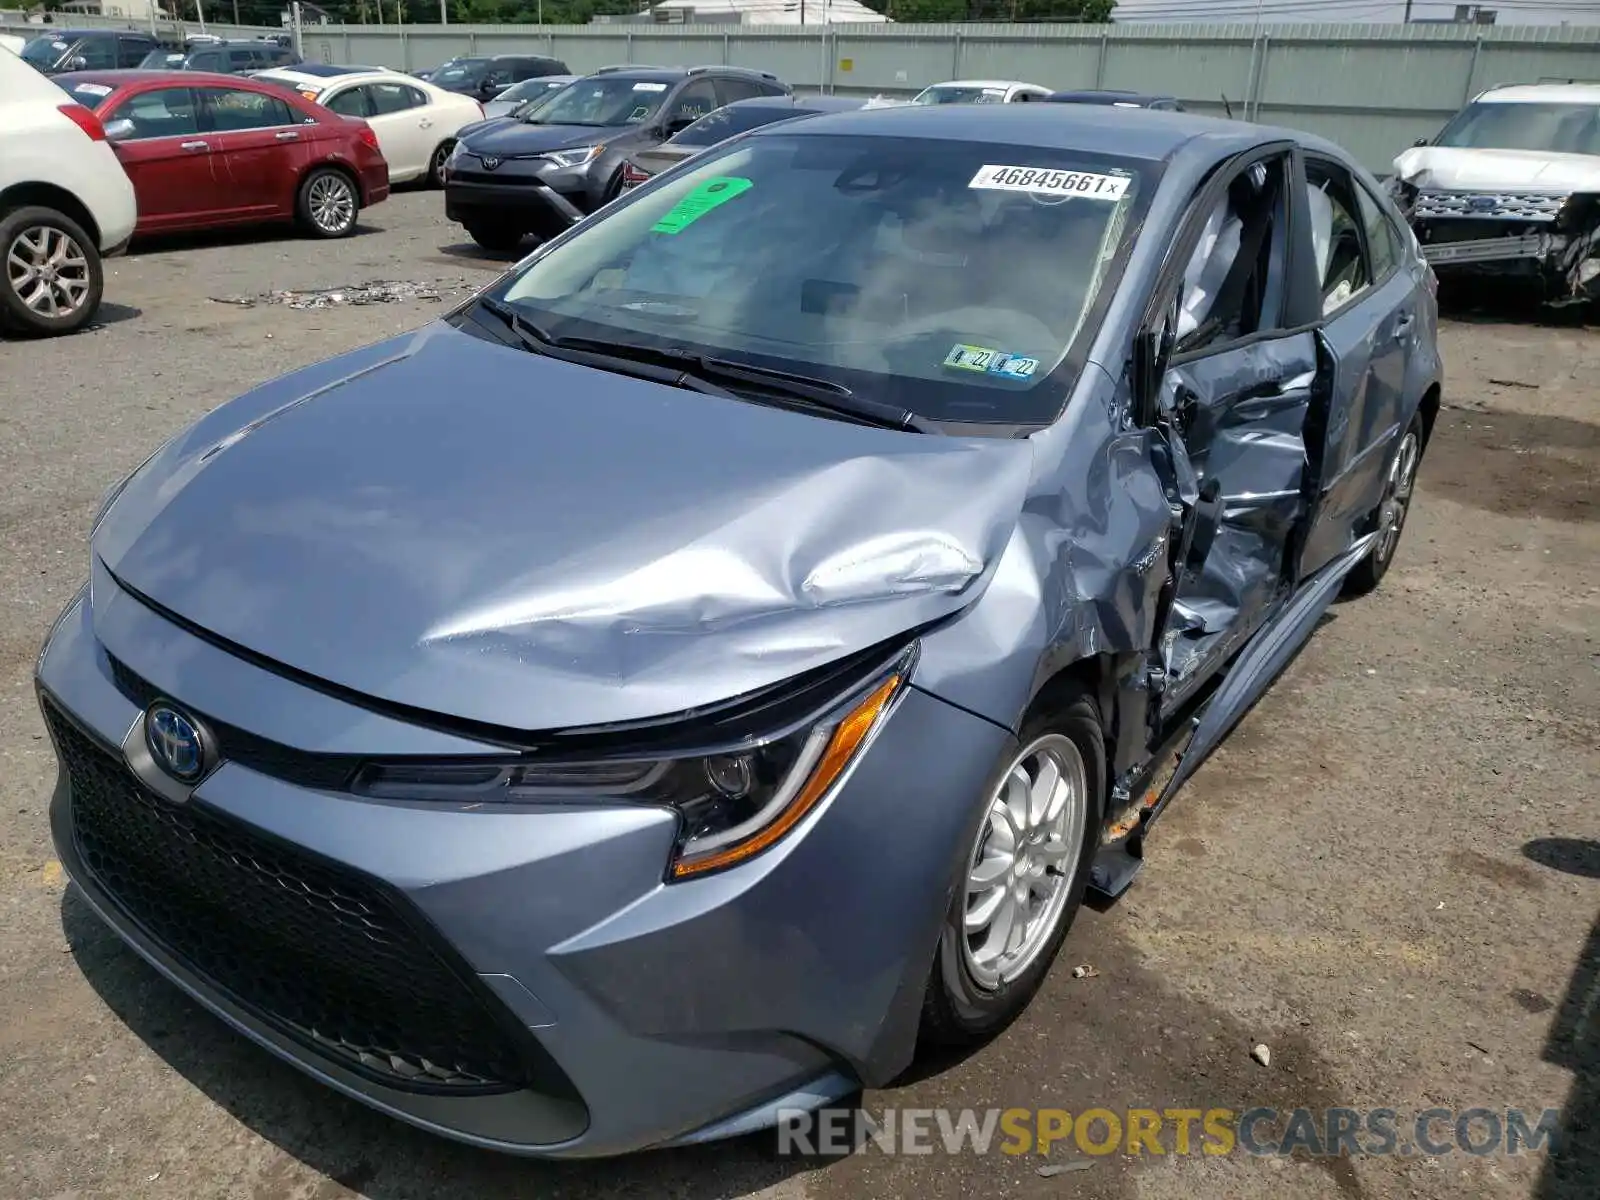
807,389
539,342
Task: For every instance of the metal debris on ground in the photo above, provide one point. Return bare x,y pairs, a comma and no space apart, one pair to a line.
1081,1164
381,291
1262,1055
1085,972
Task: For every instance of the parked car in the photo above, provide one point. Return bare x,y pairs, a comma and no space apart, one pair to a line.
416,123
443,726
65,203
205,151
237,57
1510,189
1116,99
980,91
486,78
88,49
720,124
547,168
526,92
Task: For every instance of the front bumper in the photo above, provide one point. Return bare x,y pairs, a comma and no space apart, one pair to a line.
650,1013
529,205
1512,236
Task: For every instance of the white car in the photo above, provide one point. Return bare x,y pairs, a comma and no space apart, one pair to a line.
416,123
1510,189
540,87
65,201
980,91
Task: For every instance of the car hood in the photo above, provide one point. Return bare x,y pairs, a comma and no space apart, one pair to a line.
1497,170
441,522
509,138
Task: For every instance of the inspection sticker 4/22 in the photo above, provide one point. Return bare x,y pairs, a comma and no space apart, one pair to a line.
990,362
1086,184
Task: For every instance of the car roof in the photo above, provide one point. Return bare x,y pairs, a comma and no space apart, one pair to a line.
1547,93
1106,96
816,104
66,33
982,83
512,57
132,75
1138,133
315,70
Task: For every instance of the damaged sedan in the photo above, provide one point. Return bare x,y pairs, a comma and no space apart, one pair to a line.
1510,190
719,657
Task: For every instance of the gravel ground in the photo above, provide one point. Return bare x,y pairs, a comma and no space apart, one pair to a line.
1390,875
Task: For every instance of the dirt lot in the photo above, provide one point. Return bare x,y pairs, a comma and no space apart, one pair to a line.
1390,876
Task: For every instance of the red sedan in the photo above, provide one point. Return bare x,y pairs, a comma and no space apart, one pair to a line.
210,150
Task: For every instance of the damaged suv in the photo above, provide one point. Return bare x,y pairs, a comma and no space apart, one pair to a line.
675,684
1510,189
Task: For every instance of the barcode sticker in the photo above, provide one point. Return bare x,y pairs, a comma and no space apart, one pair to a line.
1052,182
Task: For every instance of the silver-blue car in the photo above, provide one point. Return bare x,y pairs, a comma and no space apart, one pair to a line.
719,657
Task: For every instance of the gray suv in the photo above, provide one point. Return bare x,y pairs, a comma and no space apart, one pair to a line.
550,165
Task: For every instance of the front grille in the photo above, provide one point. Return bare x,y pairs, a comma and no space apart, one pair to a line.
324,955
1499,206
505,178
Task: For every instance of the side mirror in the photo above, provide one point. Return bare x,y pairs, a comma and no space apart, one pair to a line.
1421,141
77,63
677,125
492,89
120,130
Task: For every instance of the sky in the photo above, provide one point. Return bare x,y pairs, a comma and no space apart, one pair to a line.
1519,12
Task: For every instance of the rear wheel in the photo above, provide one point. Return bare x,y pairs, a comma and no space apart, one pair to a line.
1390,519
328,203
492,236
53,278
441,155
1026,870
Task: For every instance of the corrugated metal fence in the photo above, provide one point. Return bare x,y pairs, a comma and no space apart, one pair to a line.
1372,88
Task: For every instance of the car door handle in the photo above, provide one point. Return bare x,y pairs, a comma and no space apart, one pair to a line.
289,135
1403,326
425,123
194,146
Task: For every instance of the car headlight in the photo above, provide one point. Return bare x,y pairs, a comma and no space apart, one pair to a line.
574,158
731,805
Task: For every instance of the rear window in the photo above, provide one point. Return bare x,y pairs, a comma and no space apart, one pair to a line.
725,122
163,60
88,94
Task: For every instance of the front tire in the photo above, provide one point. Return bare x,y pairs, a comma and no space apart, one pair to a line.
53,278
1025,872
328,203
500,238
1390,517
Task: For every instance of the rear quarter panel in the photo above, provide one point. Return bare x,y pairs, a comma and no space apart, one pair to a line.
40,145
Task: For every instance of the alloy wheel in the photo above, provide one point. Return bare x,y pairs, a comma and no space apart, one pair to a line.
1397,495
1021,871
48,270
332,203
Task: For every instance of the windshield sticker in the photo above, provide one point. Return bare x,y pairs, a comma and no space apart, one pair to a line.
649,87
639,113
1056,183
710,194
93,89
994,91
985,361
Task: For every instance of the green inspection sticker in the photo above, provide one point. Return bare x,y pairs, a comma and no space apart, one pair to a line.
698,203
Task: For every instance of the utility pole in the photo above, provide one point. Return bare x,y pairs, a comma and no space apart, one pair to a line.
199,11
1408,12
444,17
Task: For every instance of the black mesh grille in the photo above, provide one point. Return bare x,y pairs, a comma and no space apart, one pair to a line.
319,952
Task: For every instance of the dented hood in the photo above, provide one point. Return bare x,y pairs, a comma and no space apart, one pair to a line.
441,522
1498,170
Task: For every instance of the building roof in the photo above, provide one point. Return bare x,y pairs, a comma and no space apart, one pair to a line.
779,12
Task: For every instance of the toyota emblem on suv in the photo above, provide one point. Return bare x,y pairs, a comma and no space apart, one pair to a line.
175,742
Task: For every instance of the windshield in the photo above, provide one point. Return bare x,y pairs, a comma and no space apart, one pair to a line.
948,94
45,51
605,100
533,89
947,278
460,70
723,123
1553,128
